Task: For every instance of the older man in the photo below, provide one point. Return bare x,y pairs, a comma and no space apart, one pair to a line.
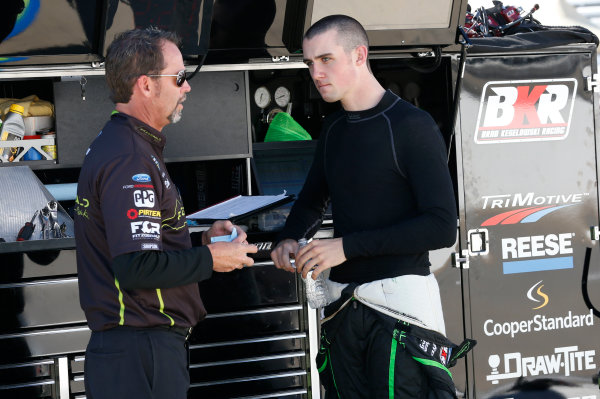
138,271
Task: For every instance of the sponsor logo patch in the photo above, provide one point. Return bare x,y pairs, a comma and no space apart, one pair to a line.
143,198
533,294
525,110
135,213
537,323
141,178
145,230
549,246
563,361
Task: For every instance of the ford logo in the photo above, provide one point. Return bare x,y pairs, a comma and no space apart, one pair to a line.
141,177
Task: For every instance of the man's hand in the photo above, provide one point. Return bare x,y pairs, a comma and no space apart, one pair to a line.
324,254
223,228
281,254
228,256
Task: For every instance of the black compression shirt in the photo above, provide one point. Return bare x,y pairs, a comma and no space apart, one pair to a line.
135,263
386,174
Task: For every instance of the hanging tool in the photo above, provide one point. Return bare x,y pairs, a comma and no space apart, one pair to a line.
45,218
27,230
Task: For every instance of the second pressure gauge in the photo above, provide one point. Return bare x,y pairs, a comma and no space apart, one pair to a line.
282,96
262,97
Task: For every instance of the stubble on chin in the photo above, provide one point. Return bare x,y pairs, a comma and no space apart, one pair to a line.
176,114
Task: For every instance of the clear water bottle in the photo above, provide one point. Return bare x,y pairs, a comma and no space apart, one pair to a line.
317,292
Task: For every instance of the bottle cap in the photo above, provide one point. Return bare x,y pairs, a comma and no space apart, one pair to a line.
16,108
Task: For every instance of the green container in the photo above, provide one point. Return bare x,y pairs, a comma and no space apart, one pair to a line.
284,128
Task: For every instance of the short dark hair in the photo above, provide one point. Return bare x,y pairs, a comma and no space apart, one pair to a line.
351,33
134,53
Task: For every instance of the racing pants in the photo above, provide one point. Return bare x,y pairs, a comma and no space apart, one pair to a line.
366,354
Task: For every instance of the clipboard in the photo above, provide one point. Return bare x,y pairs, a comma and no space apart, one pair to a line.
239,207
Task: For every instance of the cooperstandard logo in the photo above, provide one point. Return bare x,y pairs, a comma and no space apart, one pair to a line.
525,110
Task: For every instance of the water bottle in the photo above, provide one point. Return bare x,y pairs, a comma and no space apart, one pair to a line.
13,129
317,292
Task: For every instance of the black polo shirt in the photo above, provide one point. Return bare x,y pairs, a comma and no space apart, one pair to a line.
126,202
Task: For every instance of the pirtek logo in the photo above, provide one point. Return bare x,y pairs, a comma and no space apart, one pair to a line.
526,110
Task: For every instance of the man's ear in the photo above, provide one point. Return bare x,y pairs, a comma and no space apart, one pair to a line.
144,85
361,53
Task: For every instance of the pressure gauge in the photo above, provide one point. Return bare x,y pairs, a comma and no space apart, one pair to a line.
282,96
262,97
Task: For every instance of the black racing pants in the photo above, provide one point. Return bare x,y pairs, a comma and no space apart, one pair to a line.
129,363
364,361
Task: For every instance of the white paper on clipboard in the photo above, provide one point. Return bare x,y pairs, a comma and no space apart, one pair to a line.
239,206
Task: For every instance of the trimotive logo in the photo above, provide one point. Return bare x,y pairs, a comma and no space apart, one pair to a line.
525,110
563,361
532,207
523,215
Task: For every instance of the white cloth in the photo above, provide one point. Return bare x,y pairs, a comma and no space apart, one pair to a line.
411,298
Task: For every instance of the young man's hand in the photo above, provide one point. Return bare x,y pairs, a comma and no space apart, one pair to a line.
281,254
325,254
320,255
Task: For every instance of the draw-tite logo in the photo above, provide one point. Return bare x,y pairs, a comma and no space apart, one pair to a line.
525,110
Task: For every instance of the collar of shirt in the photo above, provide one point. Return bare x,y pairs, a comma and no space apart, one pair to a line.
146,132
388,99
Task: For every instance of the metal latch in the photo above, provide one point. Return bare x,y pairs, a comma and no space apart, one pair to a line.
460,261
595,233
592,82
478,242
280,58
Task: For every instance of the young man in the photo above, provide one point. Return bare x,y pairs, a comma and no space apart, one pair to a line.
382,163
138,271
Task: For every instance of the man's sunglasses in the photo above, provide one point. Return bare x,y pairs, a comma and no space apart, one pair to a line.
181,77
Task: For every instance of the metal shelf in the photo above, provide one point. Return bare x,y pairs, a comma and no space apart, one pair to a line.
37,245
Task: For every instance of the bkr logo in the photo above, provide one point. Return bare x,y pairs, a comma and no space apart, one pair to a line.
526,110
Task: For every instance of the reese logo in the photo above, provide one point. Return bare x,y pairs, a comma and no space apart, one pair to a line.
525,110
548,246
563,361
143,198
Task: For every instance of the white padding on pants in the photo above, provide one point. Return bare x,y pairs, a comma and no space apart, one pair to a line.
414,299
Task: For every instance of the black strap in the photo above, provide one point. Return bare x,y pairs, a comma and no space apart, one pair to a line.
204,40
584,281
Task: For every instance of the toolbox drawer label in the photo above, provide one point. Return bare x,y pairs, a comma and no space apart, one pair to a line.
525,110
